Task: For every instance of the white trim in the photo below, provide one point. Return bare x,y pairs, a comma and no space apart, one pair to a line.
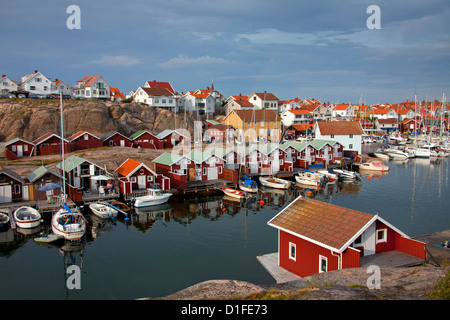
323,258
384,238
292,245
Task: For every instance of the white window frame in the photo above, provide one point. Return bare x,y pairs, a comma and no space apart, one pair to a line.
384,233
321,259
292,246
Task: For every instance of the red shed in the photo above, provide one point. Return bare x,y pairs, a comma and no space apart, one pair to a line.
116,139
315,236
18,148
50,143
84,140
134,175
145,139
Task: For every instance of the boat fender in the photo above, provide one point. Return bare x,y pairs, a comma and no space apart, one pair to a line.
316,176
224,209
261,202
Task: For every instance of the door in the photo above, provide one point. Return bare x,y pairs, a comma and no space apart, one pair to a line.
25,196
141,182
213,173
122,143
19,151
5,194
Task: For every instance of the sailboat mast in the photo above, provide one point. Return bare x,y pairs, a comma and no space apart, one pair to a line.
62,144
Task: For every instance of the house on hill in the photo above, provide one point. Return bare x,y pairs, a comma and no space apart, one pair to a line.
39,178
315,236
50,143
84,140
18,148
116,139
92,87
347,133
264,100
7,85
12,186
36,84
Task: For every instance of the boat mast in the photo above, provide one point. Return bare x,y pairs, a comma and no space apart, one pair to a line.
62,146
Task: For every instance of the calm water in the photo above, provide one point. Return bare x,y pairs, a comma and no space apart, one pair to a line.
192,240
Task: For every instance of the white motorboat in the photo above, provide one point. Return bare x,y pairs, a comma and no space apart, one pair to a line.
374,166
346,174
276,183
381,153
69,223
425,152
4,219
308,178
239,194
306,181
27,217
398,154
103,210
329,174
153,198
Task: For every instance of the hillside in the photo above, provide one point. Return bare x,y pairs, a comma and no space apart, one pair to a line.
29,119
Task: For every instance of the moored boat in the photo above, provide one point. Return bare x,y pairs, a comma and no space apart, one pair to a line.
69,223
248,185
239,194
374,166
346,174
27,217
103,210
308,178
153,198
276,183
4,219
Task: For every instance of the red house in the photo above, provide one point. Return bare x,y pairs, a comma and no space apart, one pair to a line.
170,138
134,176
145,139
315,236
50,143
84,140
116,139
18,148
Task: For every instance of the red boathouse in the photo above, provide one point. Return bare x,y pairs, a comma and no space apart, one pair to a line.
315,236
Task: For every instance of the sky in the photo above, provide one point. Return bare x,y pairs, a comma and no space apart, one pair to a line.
321,50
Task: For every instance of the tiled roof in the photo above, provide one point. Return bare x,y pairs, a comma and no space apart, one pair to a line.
323,223
157,84
157,91
129,167
339,127
266,96
257,115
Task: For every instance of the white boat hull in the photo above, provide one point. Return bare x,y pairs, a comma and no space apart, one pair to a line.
27,218
305,181
151,200
70,231
248,189
103,211
275,183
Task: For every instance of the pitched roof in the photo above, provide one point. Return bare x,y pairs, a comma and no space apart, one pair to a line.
80,134
265,96
39,172
257,115
156,91
11,174
325,224
244,103
157,84
47,136
339,127
17,140
130,166
139,133
168,158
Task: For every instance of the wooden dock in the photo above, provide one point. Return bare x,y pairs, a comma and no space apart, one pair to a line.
281,275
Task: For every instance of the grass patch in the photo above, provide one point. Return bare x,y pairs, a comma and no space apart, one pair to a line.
441,289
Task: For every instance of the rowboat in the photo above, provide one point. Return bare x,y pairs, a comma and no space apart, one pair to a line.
27,217
248,185
102,210
308,178
239,194
276,183
69,223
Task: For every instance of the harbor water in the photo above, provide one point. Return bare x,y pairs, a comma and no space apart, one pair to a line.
167,248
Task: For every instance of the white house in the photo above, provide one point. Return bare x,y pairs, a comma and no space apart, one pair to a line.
202,102
36,83
383,113
293,117
347,133
264,100
92,87
406,114
7,85
59,86
156,97
343,111
292,104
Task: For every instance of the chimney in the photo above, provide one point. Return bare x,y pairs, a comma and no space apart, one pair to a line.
35,71
3,75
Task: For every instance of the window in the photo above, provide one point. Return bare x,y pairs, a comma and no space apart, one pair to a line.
133,179
350,146
381,235
149,178
220,170
38,80
332,136
292,251
350,136
17,189
358,241
32,88
323,264
86,137
204,171
111,143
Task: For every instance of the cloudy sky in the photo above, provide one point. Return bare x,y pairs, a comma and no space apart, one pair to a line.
306,49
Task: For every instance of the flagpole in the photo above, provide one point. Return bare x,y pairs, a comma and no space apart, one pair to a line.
62,147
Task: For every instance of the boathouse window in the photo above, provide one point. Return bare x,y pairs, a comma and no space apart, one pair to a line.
17,189
381,235
133,179
323,264
204,171
149,178
292,251
358,241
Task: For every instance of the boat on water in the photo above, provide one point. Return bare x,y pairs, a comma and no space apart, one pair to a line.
398,154
380,153
425,152
239,194
69,223
121,206
4,219
276,183
27,217
103,210
153,198
346,174
308,178
329,174
248,185
374,166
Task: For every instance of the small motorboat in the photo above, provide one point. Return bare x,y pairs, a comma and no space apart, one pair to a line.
308,178
381,153
374,166
346,174
103,210
69,223
248,185
276,183
4,219
153,198
239,194
398,154
27,217
329,174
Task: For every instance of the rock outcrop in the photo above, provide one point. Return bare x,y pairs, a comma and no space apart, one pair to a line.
29,119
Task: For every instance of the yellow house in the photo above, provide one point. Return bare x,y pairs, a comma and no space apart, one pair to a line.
255,125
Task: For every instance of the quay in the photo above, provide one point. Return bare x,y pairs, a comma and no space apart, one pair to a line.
435,255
